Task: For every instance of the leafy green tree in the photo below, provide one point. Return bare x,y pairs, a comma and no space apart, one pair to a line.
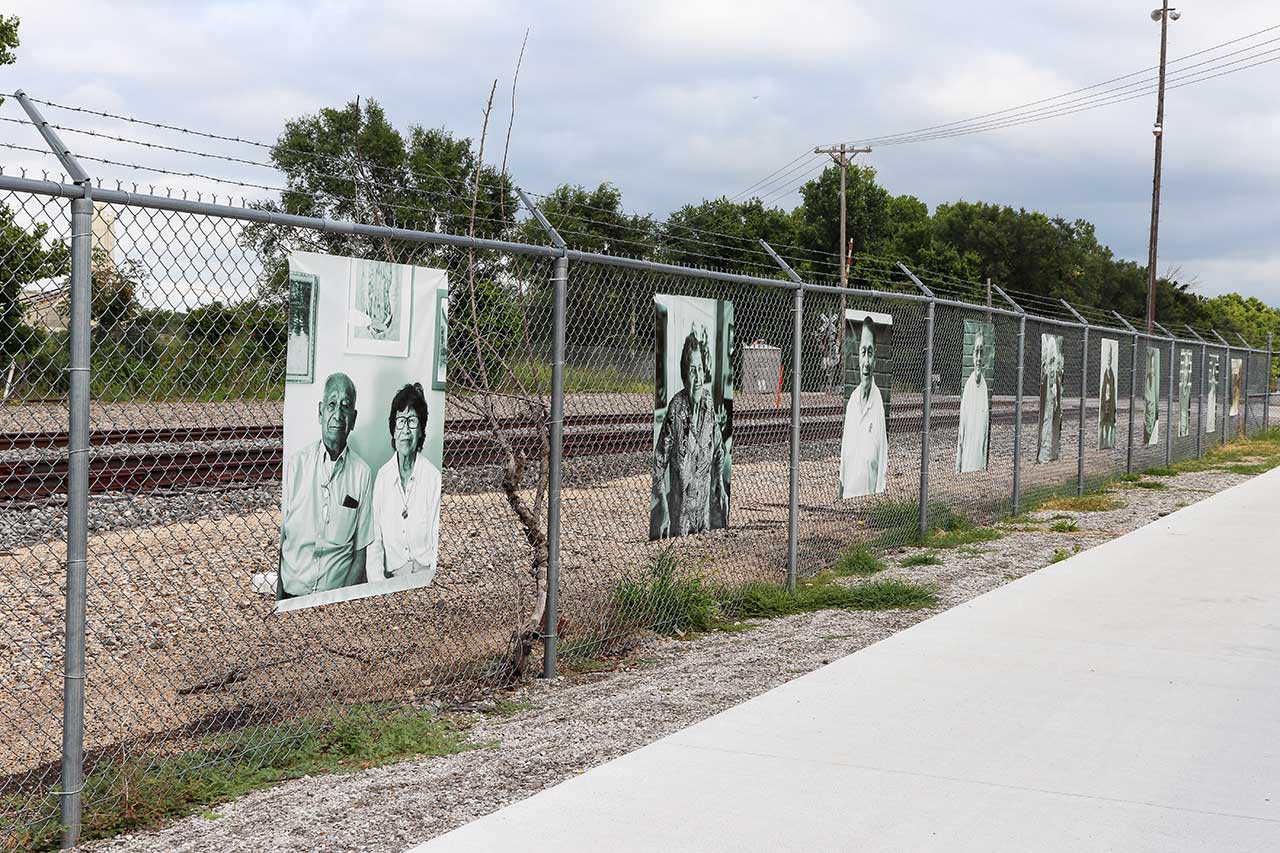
115,291
594,221
8,41
868,207
726,235
27,255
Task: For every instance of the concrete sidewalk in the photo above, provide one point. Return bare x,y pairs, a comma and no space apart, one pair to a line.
1125,699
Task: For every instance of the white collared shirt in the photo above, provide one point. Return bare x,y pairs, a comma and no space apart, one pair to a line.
325,518
406,521
864,448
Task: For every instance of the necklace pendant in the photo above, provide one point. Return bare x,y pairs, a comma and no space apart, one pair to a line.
404,513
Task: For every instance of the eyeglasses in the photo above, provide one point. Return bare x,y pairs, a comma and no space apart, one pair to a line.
411,422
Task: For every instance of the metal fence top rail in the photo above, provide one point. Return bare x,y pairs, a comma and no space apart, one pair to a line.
334,226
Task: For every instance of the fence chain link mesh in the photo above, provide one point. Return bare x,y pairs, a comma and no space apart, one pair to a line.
185,653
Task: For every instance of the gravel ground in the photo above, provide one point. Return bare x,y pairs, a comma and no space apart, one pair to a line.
661,686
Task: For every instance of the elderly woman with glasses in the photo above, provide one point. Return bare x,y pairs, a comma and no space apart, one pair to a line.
406,496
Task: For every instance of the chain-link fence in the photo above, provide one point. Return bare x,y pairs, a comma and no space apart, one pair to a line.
178,509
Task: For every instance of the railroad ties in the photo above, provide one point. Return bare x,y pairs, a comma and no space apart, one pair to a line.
156,459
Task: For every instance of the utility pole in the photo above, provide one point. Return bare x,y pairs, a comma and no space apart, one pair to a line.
842,155
1162,15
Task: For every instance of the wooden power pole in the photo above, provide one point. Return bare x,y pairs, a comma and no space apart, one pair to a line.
842,154
1163,16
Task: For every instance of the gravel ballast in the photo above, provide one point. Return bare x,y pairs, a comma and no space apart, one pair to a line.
578,721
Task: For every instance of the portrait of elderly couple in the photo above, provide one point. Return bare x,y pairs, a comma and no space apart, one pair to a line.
342,523
363,440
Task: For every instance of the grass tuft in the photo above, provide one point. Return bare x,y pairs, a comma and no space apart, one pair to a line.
899,522
924,558
137,794
1064,527
1154,485
667,597
1161,472
763,600
858,562
1088,502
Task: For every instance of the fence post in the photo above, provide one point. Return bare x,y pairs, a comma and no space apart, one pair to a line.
793,497
1168,408
1084,395
1204,362
1266,394
1226,387
926,418
927,402
559,281
77,519
555,438
1133,377
1168,433
1133,382
1200,402
1244,392
78,343
1017,400
793,515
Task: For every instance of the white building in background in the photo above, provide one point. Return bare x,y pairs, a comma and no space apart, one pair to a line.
104,231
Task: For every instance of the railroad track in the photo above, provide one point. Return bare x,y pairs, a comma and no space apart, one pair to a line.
129,461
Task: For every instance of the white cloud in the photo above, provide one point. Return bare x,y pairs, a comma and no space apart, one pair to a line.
674,100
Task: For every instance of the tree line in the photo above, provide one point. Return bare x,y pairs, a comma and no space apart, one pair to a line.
350,162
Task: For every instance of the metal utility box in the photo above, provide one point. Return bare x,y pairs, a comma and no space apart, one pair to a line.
760,365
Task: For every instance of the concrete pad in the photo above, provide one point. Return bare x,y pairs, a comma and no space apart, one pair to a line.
1127,698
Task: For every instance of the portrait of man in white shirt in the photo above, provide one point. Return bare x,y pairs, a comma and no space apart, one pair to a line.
864,444
973,439
325,506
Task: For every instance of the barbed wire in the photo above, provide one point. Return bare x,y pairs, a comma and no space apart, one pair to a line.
692,235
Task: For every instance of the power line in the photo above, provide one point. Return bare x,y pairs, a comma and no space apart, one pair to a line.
768,185
884,140
802,155
1064,110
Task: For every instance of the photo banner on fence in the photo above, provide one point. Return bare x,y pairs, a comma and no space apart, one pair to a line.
1237,380
1108,369
692,415
1212,399
1184,392
977,372
1151,398
1051,370
868,373
363,429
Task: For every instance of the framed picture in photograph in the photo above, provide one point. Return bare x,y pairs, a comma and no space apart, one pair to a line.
379,302
300,354
441,361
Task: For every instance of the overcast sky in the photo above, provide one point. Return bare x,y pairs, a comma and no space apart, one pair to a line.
677,101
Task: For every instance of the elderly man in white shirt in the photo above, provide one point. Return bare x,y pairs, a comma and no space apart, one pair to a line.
326,496
864,446
406,496
975,412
